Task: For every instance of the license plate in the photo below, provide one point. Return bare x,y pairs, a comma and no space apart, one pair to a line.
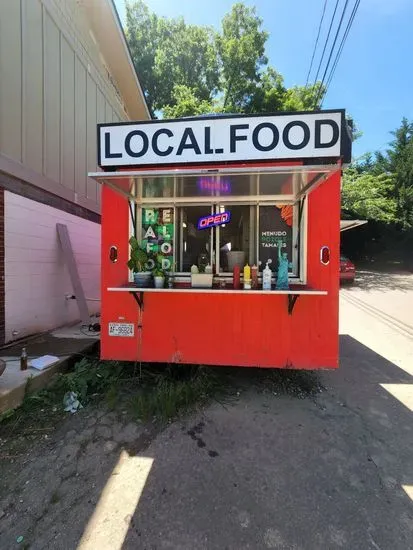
122,329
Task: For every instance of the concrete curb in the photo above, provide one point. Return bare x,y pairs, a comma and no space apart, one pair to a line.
11,398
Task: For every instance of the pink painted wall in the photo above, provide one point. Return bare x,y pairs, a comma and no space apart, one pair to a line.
36,277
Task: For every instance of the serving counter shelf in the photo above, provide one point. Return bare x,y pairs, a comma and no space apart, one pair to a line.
292,294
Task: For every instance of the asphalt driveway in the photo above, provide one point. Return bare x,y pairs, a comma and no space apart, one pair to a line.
325,466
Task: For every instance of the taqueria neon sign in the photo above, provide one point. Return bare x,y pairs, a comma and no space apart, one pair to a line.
321,134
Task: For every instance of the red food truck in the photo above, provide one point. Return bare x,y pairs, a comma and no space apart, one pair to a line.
216,201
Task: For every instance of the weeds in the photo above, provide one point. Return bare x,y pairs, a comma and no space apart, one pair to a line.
155,392
166,393
55,498
90,377
152,392
40,411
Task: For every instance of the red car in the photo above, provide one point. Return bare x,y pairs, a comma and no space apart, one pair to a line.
347,270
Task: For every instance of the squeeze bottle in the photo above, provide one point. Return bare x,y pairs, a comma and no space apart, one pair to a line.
247,277
254,277
266,277
236,277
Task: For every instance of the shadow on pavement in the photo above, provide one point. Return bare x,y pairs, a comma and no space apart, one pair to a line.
272,471
290,461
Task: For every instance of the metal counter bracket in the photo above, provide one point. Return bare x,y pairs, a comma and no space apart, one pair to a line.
139,298
292,298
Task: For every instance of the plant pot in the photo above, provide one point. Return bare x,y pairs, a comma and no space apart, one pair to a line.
143,279
201,280
235,257
159,281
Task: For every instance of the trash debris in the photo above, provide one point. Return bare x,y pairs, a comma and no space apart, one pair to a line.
71,403
43,362
19,539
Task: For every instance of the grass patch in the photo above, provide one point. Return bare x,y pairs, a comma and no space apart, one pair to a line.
40,411
152,392
164,393
55,498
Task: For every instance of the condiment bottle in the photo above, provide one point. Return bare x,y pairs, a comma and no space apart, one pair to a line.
236,274
247,277
266,277
23,360
254,277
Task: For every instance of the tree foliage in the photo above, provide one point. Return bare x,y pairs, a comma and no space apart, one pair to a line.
169,53
380,187
190,69
186,103
369,196
241,52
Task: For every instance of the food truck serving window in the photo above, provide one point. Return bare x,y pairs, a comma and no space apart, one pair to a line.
247,213
261,213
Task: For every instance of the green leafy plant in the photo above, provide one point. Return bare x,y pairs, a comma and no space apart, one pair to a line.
91,377
165,393
138,257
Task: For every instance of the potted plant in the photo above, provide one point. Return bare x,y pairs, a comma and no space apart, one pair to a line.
159,277
138,263
201,276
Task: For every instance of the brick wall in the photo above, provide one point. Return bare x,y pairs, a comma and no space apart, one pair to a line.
2,309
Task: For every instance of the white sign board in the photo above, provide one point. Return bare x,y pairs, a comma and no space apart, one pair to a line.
224,138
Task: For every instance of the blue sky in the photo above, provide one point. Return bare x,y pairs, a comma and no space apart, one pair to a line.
374,78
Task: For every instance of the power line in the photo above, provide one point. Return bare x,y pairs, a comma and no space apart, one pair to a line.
326,42
320,90
341,47
316,42
342,43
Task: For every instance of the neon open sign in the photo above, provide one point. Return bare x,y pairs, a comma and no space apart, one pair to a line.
213,220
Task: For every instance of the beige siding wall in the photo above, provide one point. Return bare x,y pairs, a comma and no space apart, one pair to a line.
11,80
54,88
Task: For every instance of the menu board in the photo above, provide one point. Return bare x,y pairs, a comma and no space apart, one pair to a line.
275,224
158,234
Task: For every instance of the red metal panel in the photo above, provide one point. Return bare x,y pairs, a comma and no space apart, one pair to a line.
225,329
115,232
324,230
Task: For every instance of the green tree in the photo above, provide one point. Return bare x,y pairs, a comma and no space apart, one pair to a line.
188,70
144,40
186,103
271,95
369,196
241,50
169,53
398,160
384,182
